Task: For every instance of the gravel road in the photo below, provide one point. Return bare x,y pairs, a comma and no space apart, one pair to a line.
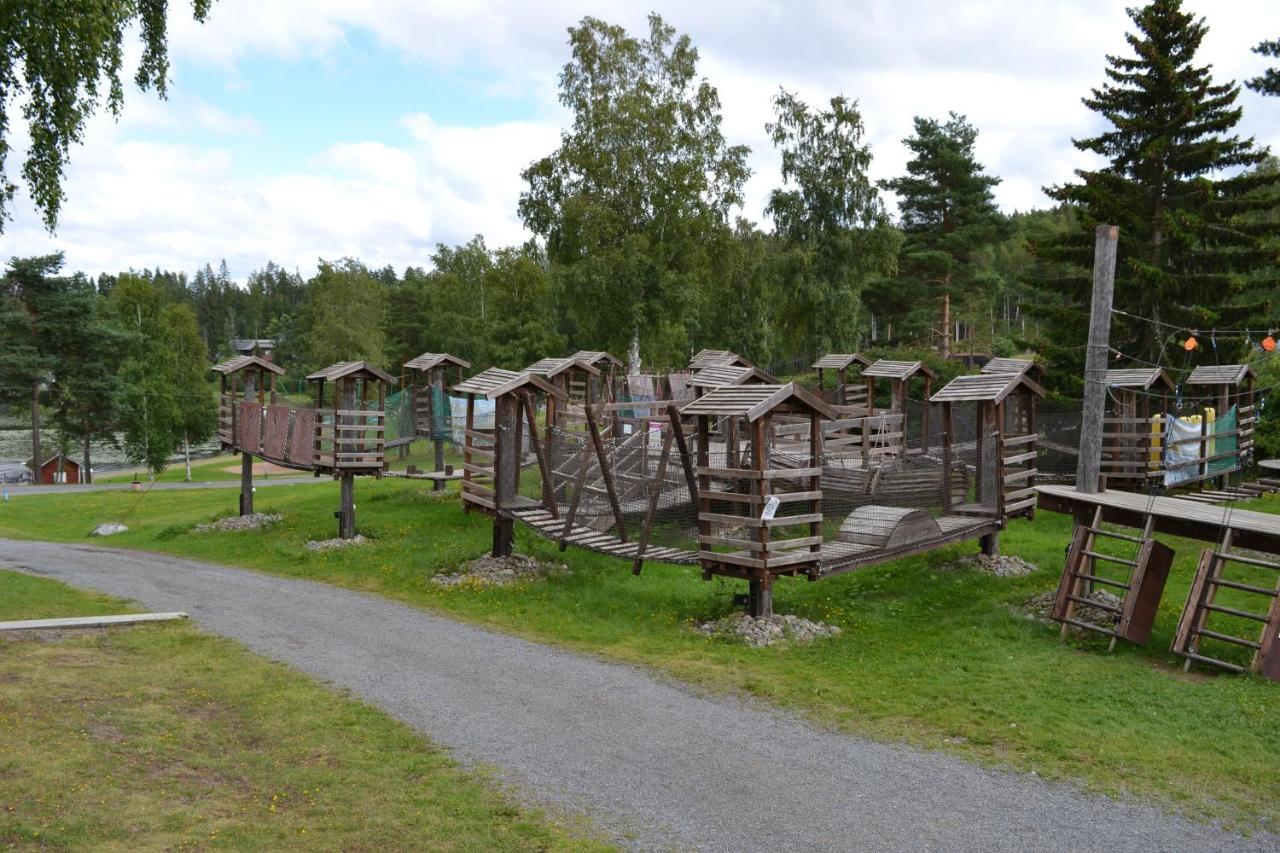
657,764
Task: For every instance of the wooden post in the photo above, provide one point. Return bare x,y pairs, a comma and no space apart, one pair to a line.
246,483
506,466
946,457
437,396
1106,238
347,511
468,441
760,597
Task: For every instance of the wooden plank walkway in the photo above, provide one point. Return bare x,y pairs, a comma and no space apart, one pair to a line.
1258,531
594,540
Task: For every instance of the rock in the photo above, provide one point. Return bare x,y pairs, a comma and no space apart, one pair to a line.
767,632
256,521
330,544
1041,605
1002,566
499,571
111,528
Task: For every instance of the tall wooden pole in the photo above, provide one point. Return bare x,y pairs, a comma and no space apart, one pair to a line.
438,399
246,483
1095,364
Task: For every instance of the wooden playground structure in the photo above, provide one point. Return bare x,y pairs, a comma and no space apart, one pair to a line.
342,438
738,471
432,374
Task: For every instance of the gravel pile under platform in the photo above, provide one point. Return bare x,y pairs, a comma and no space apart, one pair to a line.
497,571
330,544
1002,566
757,633
256,521
1042,604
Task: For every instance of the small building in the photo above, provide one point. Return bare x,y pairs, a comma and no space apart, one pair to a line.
845,392
717,358
57,470
1034,369
1004,460
898,374
263,348
754,502
492,457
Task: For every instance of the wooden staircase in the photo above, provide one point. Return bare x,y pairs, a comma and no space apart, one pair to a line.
1201,606
1146,571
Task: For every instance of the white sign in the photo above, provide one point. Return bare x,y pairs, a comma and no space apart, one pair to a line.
770,508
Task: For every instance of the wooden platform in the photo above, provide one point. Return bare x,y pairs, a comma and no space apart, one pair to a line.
838,557
1258,531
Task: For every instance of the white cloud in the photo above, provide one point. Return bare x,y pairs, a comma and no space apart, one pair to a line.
1016,68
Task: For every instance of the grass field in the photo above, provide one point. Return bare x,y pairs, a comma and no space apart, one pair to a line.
159,737
939,658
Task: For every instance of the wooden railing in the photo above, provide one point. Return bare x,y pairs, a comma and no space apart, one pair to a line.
308,438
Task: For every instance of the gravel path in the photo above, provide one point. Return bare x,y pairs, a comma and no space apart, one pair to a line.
653,762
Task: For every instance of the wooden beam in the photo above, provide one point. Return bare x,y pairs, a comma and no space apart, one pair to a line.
1106,238
607,473
548,495
655,491
89,621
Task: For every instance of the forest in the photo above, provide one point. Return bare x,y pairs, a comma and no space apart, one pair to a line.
636,249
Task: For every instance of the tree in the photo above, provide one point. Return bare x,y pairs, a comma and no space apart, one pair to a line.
343,315
1268,83
149,417
833,223
1181,187
194,409
30,291
57,62
86,386
949,217
640,184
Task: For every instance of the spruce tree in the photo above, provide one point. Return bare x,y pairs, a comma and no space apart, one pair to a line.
1181,185
949,217
1268,82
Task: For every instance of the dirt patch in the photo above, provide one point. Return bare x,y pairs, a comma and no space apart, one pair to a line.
260,469
499,571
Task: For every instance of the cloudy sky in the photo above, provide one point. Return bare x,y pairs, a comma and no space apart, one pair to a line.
306,129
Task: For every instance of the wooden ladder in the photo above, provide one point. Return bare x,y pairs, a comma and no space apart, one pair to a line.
1201,605
1147,569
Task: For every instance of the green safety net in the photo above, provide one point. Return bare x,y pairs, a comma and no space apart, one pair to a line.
400,415
1225,441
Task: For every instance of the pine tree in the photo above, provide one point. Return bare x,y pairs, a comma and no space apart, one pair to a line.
1179,183
949,217
1268,83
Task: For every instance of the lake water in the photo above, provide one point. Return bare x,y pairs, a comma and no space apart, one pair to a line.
15,446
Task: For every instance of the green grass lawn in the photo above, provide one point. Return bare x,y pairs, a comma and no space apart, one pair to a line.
160,737
943,659
202,471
